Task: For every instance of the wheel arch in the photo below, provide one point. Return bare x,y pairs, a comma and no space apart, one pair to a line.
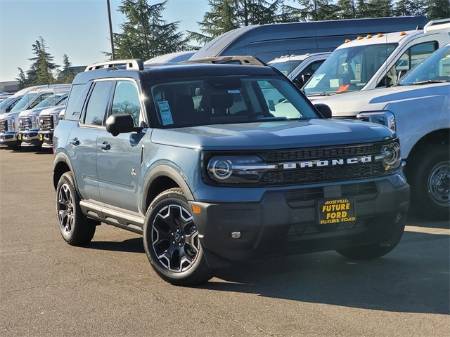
159,179
61,165
435,137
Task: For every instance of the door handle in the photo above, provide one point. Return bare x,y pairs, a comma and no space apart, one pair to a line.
105,146
75,141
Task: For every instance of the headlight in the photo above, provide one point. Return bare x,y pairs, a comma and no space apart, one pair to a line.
11,124
385,118
391,155
237,169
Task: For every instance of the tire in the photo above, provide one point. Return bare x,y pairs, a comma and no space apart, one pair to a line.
75,228
392,237
429,186
171,241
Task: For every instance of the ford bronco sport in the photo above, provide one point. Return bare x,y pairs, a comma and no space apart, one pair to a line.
200,160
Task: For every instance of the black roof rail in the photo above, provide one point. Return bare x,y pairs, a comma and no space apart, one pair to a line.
243,60
131,64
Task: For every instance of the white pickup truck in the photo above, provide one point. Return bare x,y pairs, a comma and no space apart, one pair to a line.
419,111
375,61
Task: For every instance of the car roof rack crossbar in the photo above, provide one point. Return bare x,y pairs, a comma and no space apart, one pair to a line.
131,64
243,60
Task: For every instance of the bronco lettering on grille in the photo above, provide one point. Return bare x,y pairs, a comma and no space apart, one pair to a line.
326,162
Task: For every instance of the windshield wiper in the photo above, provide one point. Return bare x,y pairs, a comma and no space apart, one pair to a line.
325,93
428,82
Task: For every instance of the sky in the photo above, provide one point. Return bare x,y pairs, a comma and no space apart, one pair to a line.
78,28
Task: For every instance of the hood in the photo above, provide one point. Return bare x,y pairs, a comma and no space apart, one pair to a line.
9,115
352,103
54,110
31,112
272,135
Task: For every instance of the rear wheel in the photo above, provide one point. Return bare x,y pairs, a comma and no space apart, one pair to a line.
75,228
171,240
389,241
430,182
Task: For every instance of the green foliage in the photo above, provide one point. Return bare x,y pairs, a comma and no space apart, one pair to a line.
41,70
67,74
346,9
410,7
22,78
145,33
438,9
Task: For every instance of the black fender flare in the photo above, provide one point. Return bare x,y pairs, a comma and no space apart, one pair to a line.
61,157
164,170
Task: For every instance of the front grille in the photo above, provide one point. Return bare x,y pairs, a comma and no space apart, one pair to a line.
46,123
322,174
24,123
321,152
3,126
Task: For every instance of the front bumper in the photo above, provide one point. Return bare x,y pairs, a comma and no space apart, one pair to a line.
29,138
286,221
8,138
46,137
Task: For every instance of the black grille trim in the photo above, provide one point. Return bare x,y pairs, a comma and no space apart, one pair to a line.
46,123
3,126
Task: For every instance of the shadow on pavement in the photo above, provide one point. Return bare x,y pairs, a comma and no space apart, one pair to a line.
413,278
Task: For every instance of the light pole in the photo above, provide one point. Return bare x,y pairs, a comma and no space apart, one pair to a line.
110,30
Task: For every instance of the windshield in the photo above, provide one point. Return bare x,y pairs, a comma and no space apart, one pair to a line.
434,69
348,69
286,67
24,102
4,105
49,101
228,99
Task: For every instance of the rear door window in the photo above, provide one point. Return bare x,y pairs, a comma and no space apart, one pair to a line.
98,103
76,101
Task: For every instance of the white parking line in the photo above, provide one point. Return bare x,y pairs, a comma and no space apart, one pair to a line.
428,230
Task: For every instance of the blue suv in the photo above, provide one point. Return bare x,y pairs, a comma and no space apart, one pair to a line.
215,162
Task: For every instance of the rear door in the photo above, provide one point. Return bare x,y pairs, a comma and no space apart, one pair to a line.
119,158
83,139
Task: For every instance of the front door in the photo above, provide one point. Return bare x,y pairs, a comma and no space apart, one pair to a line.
119,158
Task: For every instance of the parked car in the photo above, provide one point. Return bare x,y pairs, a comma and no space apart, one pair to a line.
48,120
9,102
29,125
267,42
299,68
418,110
191,156
9,122
170,58
376,60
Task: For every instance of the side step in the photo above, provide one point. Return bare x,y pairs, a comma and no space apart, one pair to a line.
130,221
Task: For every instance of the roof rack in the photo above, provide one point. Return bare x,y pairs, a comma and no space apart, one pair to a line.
430,24
243,60
131,64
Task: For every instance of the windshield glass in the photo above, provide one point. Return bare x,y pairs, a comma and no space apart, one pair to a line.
24,102
230,99
348,69
6,103
286,67
434,69
49,101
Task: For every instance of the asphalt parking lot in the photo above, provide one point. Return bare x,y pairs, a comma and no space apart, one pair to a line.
49,288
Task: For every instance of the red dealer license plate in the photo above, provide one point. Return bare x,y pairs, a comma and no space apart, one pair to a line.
335,211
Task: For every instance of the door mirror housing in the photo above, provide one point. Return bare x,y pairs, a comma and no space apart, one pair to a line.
120,123
324,110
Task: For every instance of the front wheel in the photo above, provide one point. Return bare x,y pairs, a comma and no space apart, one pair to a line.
171,240
390,239
430,182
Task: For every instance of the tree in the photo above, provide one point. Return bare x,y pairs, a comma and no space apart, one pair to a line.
257,12
67,74
22,78
346,9
220,18
438,9
41,70
374,8
144,33
410,7
317,10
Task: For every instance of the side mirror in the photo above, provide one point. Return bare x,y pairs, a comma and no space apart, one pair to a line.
324,110
120,123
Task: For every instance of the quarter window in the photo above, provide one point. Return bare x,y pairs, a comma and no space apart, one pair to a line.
98,102
126,100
